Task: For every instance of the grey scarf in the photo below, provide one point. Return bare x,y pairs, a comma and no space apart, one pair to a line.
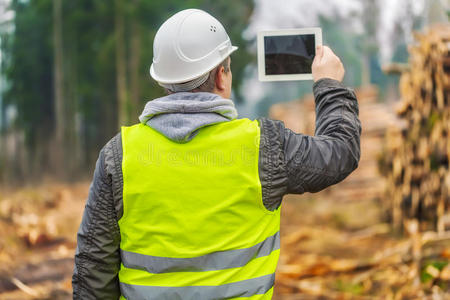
179,116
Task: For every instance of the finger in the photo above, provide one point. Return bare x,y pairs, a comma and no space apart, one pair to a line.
318,56
319,52
327,52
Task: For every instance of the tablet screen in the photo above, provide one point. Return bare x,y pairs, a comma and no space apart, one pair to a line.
289,54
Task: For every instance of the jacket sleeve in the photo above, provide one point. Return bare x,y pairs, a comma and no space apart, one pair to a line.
316,162
97,257
293,163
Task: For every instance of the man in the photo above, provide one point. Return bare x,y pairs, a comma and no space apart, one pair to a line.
186,204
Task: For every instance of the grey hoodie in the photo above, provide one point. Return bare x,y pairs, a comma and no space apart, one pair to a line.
179,116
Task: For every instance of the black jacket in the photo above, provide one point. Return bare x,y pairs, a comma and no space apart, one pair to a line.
289,163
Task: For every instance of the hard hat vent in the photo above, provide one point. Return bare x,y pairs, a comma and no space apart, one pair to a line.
213,28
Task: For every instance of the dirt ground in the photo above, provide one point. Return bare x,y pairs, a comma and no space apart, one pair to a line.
336,244
331,248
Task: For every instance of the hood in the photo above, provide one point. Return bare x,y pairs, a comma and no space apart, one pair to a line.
179,116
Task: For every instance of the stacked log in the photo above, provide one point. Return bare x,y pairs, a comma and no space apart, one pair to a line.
415,159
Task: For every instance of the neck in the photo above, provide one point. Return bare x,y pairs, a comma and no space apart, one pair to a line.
221,93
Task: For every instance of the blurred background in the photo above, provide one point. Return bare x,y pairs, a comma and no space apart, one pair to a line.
73,72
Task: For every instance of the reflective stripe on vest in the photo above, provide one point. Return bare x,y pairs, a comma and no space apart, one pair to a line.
209,262
246,288
194,225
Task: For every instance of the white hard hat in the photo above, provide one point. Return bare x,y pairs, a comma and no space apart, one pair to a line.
188,45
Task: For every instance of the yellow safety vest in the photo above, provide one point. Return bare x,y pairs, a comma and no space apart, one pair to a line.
194,225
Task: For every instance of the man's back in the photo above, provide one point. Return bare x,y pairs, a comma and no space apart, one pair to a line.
194,222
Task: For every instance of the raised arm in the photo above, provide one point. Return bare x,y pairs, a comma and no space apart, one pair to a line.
293,163
314,163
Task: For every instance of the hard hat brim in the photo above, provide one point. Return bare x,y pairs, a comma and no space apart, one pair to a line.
167,81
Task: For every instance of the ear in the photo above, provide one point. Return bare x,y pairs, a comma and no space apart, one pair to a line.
220,79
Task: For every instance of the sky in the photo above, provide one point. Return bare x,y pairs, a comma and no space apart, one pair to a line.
269,14
5,14
5,25
394,14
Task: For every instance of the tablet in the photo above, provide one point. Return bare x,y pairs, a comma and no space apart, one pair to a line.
287,54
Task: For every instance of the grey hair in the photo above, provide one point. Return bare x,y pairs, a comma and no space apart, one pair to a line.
201,84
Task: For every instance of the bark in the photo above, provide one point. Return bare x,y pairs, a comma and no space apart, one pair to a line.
58,88
121,79
135,60
365,70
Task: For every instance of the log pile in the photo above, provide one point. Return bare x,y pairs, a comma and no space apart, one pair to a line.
415,159
335,243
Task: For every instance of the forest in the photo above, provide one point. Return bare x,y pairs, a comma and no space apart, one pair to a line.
73,72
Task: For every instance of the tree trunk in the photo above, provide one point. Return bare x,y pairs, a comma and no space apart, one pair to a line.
135,60
121,79
73,132
58,88
365,70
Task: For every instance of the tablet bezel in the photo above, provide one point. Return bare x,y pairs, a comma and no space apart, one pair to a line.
261,52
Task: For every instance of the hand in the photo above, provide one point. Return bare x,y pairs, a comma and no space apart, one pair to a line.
327,65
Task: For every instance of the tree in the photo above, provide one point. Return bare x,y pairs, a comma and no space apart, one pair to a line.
30,92
58,84
79,74
121,77
135,61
